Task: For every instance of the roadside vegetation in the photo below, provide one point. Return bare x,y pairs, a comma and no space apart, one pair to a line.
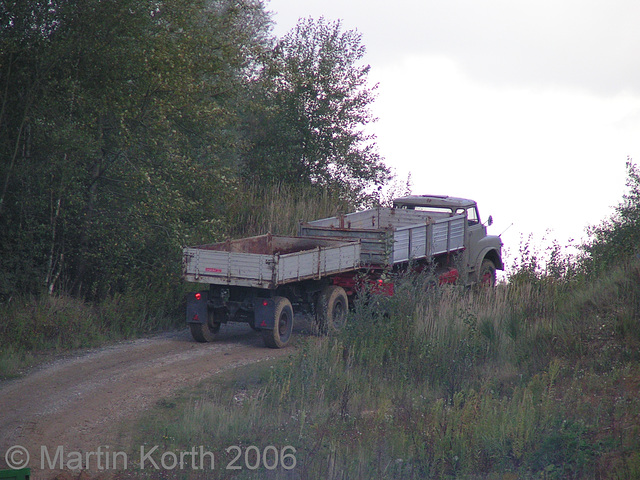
537,378
531,380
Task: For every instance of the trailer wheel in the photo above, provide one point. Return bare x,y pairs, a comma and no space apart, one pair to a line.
203,332
331,309
487,275
283,326
207,332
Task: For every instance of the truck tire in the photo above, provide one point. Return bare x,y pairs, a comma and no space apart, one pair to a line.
487,274
431,283
206,332
203,332
283,324
331,309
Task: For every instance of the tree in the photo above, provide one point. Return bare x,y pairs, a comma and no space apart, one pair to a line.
618,238
313,105
115,122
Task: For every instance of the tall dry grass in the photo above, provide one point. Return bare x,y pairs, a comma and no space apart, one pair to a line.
527,380
279,208
32,326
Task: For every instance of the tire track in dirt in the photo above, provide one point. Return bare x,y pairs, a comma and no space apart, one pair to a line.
80,402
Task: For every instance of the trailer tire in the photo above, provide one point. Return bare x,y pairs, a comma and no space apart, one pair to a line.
203,332
487,275
283,324
331,309
207,332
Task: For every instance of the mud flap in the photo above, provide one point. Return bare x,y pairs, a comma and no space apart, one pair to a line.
264,311
197,307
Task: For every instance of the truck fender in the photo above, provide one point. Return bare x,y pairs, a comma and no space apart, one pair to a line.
197,307
486,252
264,310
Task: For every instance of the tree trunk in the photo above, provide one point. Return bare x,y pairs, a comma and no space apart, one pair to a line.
87,221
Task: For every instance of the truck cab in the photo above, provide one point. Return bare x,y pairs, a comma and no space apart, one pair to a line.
482,254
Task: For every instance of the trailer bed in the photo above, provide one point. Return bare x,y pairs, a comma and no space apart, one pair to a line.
268,261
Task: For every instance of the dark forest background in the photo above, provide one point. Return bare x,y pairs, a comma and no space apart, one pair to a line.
131,128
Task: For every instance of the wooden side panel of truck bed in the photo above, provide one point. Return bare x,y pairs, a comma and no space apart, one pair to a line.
391,236
267,262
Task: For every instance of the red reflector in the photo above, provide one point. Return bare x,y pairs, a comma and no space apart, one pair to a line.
265,303
196,317
198,296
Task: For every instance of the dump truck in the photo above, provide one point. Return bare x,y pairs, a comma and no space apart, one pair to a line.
266,280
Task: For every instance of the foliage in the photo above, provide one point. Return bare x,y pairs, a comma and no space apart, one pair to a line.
617,238
36,328
126,127
279,208
555,264
315,101
116,124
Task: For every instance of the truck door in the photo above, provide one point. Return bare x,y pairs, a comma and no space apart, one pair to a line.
476,231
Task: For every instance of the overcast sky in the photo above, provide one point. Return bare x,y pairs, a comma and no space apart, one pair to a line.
530,108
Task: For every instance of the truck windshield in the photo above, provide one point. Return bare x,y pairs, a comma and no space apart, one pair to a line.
439,211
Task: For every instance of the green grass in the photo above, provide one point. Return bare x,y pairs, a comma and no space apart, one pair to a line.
36,328
528,380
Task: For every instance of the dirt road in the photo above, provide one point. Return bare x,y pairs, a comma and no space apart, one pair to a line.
80,402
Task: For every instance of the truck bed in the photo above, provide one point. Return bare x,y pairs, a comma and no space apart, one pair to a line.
390,236
267,261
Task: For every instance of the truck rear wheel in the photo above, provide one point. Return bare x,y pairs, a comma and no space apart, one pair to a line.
331,309
283,324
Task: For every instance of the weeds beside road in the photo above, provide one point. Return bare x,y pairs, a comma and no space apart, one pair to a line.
533,380
37,328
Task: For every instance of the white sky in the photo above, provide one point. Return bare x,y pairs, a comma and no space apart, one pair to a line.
530,108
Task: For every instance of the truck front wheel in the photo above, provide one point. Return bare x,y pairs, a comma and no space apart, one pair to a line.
331,309
487,276
283,324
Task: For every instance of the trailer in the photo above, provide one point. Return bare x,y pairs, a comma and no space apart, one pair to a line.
259,280
269,261
263,280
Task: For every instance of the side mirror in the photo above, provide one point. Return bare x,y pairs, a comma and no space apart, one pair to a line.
490,220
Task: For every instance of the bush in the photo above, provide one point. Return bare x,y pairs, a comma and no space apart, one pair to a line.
58,323
617,239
